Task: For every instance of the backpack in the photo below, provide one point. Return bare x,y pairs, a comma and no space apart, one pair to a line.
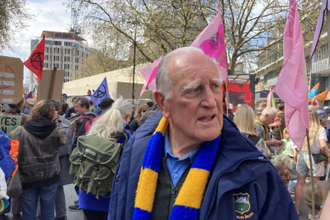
94,162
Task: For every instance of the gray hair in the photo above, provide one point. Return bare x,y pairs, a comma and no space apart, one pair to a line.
269,111
163,83
113,120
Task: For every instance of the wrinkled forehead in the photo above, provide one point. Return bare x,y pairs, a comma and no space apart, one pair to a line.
192,66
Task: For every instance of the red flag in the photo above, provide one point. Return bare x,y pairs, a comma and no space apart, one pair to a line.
36,59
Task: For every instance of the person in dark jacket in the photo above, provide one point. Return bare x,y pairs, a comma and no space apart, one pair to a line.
38,162
64,155
82,109
71,111
188,161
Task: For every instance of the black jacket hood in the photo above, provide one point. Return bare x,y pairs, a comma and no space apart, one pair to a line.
40,127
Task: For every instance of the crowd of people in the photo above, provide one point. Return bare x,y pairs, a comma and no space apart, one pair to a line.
178,158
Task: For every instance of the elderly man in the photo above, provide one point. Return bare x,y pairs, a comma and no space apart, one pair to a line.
188,161
268,118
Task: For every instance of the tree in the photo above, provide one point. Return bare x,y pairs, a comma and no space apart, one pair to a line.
13,17
251,26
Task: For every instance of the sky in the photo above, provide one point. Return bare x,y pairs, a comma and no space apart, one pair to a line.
48,15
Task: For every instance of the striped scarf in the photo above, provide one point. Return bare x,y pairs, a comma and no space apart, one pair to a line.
189,200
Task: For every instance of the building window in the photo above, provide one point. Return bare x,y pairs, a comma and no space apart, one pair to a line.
59,43
77,45
77,60
86,49
82,54
56,58
76,67
49,42
66,66
77,52
46,65
47,49
46,57
68,44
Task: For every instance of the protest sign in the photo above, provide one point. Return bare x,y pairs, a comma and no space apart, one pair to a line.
10,122
11,80
44,85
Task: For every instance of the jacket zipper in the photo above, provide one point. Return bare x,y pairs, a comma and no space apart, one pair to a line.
227,171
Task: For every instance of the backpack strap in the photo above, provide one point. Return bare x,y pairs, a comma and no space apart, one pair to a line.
81,177
95,170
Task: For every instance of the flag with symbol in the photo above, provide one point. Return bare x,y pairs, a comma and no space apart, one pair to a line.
101,93
212,42
35,62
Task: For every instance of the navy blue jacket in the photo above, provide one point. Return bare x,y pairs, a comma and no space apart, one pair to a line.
240,172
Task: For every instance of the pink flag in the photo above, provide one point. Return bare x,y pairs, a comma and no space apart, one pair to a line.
212,42
292,82
149,74
270,99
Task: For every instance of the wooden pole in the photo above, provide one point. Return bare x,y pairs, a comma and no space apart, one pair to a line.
311,175
52,82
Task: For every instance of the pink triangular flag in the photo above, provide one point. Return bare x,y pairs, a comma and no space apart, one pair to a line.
212,42
149,74
292,82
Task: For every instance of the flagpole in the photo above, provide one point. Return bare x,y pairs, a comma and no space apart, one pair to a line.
311,175
133,90
227,97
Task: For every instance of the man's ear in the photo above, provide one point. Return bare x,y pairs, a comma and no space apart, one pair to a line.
161,102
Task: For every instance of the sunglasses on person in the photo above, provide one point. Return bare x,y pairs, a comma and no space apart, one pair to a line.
143,110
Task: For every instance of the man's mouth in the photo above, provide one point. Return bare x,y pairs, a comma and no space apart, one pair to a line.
206,118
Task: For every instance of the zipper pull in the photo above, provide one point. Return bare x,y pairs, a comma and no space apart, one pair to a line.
173,191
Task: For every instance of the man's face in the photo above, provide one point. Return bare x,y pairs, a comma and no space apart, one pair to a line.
195,109
80,110
269,119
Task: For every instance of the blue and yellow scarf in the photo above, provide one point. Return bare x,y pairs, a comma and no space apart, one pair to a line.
188,203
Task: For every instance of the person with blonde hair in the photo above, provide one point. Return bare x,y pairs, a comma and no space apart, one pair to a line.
110,126
141,110
317,141
244,120
321,190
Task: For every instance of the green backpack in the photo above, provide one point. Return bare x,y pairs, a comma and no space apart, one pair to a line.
94,162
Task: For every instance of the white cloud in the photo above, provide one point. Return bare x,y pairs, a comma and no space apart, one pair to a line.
49,15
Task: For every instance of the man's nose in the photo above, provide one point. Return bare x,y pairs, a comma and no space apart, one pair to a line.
209,99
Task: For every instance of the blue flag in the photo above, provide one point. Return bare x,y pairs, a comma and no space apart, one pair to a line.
101,93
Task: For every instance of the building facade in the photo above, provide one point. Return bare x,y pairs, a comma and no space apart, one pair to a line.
65,51
318,69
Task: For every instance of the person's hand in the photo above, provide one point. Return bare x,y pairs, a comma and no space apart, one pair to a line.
73,114
326,162
276,123
277,143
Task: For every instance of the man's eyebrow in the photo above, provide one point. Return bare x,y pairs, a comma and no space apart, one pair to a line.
217,80
190,86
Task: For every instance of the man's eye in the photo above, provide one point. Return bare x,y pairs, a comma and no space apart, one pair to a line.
195,90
